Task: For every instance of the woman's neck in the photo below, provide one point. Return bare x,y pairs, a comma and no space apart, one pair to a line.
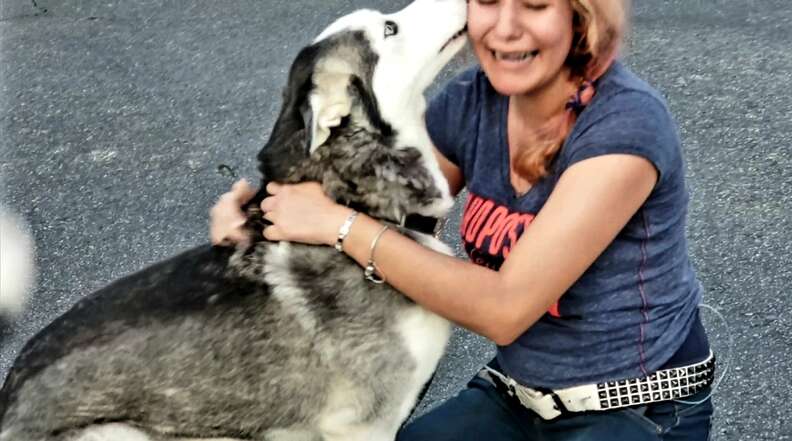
537,108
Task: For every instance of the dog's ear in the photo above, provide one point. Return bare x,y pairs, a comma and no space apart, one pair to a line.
286,144
330,103
368,102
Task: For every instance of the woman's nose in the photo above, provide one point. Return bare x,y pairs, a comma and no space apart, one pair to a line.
508,26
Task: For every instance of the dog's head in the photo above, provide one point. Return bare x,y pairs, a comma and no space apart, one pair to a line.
368,71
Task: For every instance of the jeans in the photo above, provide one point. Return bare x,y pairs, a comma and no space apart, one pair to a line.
481,413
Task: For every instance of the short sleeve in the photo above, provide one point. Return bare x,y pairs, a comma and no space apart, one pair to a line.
631,122
450,115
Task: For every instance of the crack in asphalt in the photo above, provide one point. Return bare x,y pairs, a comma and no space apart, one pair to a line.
41,10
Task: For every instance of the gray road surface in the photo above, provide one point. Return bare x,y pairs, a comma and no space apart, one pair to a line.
121,121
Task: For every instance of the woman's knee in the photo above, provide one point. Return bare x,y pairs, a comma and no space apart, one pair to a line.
476,413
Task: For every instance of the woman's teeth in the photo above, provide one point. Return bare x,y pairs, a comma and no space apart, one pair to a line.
513,56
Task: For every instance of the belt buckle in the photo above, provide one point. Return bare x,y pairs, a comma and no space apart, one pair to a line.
542,404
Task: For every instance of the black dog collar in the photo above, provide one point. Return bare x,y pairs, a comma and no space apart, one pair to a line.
420,223
415,222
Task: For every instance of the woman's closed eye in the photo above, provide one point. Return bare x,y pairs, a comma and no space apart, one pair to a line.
532,5
535,6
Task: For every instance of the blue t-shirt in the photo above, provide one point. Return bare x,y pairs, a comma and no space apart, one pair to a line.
634,307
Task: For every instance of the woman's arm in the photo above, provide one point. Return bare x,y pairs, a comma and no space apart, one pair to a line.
591,203
451,172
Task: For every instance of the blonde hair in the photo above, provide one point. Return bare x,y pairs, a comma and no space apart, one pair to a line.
599,27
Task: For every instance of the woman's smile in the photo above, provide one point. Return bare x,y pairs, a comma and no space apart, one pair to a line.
513,59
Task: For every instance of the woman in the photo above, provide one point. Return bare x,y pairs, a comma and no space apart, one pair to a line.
574,224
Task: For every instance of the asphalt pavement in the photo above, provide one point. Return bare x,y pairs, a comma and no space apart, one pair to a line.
122,121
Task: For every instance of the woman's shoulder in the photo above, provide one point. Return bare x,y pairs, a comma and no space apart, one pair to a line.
620,86
623,96
627,115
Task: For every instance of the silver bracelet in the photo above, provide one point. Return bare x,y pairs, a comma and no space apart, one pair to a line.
343,232
372,272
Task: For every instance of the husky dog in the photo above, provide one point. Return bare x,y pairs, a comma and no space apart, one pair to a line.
273,341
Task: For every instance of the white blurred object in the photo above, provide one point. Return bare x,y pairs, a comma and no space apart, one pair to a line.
17,270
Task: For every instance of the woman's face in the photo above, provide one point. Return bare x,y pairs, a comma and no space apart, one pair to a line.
521,44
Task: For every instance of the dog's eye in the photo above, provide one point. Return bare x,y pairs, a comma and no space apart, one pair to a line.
391,29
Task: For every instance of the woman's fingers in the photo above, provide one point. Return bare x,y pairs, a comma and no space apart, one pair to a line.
273,233
232,237
301,213
227,220
268,204
243,191
273,188
226,226
270,216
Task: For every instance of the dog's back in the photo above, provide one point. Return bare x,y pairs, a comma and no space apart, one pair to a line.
218,342
190,347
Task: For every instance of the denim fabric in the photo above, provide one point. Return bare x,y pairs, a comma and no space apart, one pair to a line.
481,413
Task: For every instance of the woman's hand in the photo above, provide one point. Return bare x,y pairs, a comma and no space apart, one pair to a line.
227,220
302,213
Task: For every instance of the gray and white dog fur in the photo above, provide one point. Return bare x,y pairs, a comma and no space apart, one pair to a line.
275,341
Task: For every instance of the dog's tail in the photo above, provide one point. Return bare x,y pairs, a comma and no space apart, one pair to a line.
17,269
